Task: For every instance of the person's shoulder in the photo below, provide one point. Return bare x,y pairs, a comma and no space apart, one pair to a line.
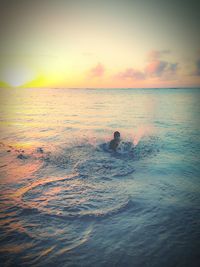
112,144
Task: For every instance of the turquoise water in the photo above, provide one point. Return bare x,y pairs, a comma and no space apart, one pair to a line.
66,200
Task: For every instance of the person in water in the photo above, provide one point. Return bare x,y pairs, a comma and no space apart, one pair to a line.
115,142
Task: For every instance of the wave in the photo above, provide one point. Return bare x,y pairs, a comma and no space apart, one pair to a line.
98,160
103,167
84,215
71,197
81,181
70,155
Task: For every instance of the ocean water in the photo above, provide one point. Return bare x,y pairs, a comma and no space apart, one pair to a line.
67,200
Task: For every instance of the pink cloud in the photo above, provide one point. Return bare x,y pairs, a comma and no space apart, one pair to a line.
132,74
97,71
158,68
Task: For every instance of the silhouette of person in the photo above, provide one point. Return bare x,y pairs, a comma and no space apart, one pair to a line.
115,142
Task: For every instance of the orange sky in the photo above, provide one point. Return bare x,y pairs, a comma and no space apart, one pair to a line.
99,44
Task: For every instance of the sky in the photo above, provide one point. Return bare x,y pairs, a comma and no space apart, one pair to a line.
99,44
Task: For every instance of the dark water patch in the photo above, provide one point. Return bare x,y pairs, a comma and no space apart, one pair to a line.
42,240
21,156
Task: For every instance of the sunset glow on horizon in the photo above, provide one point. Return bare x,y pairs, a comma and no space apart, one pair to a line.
100,44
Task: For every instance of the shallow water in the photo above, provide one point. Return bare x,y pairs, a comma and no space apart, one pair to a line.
66,200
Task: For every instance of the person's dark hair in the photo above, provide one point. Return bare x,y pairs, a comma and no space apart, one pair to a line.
116,134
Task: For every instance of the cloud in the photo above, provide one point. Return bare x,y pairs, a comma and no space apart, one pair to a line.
157,67
157,54
173,67
132,74
97,71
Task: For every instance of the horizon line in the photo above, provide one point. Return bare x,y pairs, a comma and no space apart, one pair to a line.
109,88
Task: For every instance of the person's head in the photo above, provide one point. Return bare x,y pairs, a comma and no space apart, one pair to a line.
116,135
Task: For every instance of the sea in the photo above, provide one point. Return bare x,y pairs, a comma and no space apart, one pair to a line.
66,199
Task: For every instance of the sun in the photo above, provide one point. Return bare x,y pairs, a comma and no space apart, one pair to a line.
18,76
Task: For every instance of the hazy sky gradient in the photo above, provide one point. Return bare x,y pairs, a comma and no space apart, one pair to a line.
90,43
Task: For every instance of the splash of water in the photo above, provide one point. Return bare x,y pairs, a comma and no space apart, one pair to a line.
141,132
